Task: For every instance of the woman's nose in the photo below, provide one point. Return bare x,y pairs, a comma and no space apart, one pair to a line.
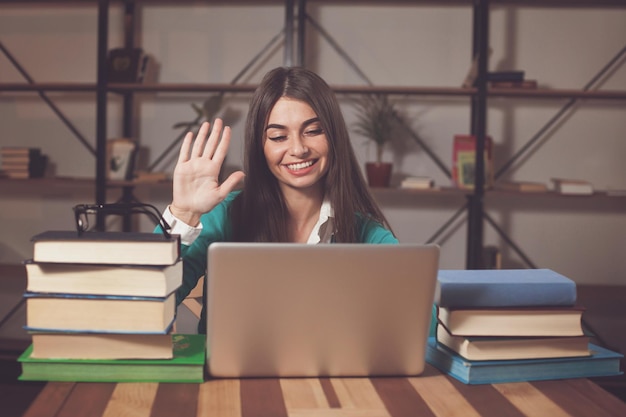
298,147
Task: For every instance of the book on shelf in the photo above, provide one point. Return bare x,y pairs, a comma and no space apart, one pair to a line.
55,345
18,151
514,321
508,76
17,161
95,314
16,174
128,248
523,84
464,161
503,288
600,362
572,186
23,162
132,280
417,183
186,366
510,348
522,186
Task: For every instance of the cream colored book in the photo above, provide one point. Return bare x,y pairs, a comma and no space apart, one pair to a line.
112,248
137,280
513,348
417,183
107,314
101,346
530,321
572,187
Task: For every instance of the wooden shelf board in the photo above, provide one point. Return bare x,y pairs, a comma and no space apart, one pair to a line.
51,86
533,3
557,93
339,89
446,190
230,88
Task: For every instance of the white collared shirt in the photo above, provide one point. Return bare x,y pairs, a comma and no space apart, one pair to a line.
324,229
322,232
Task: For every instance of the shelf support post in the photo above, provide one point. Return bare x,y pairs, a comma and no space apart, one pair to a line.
301,33
101,108
289,17
479,127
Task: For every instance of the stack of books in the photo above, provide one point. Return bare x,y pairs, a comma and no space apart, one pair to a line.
22,162
100,306
513,325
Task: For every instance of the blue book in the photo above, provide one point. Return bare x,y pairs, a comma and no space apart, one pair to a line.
601,362
503,288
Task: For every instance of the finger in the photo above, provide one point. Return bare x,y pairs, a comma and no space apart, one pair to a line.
222,147
214,139
231,183
199,144
183,154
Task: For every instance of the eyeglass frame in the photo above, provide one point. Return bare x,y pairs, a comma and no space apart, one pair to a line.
81,212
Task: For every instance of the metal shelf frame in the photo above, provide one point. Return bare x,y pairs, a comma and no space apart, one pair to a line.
293,35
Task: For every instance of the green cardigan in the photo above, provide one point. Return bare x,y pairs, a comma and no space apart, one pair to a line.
215,228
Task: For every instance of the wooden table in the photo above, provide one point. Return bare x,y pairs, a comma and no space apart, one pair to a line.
431,394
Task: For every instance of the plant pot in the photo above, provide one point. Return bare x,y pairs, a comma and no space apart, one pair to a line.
378,173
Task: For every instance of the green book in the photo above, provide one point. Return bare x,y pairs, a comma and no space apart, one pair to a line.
187,366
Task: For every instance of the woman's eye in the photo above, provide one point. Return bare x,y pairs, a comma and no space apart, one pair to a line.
277,138
314,132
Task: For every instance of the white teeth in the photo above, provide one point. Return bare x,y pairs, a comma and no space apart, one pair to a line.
301,165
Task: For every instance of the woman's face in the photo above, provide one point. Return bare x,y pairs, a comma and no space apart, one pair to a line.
295,145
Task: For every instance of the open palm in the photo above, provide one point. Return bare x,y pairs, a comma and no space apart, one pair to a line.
196,177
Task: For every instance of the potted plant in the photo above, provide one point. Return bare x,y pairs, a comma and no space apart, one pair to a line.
377,119
210,107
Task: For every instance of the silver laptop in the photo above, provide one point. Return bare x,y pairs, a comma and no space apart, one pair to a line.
296,310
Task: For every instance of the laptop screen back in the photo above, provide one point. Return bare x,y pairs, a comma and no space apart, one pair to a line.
282,310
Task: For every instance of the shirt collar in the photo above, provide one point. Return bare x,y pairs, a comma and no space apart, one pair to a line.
324,229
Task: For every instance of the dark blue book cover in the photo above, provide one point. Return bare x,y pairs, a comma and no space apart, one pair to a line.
601,362
504,288
30,294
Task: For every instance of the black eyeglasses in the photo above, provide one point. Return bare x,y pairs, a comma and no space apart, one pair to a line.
83,211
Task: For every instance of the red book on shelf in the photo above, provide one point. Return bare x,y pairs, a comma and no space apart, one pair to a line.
464,161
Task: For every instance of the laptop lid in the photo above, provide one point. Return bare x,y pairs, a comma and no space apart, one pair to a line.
296,310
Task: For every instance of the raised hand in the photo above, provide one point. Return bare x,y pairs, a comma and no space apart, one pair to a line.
196,177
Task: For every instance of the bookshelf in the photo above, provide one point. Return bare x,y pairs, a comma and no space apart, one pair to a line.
480,96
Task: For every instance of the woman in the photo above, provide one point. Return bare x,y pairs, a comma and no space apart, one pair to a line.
303,183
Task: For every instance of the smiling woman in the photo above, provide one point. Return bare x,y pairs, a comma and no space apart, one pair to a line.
302,181
296,148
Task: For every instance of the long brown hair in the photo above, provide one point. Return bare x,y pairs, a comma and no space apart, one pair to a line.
259,213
